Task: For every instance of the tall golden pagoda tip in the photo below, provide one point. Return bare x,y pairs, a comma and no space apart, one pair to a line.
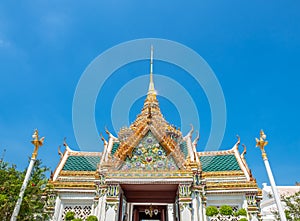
151,89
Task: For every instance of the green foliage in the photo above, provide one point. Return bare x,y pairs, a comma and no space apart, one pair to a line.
212,211
77,219
226,210
243,219
292,209
241,212
10,184
92,218
70,215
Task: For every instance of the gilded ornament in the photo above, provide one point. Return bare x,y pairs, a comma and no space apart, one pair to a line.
261,143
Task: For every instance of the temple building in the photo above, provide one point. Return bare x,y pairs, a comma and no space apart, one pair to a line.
151,171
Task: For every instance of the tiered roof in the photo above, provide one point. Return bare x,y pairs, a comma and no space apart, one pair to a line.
76,170
221,170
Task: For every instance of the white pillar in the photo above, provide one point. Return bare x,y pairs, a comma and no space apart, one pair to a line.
57,209
98,207
128,210
95,210
24,185
245,206
195,207
185,212
200,208
274,189
170,212
102,209
204,213
254,218
111,212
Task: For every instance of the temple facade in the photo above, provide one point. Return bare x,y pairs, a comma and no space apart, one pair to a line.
151,171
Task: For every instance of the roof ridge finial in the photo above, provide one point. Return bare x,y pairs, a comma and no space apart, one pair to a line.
151,89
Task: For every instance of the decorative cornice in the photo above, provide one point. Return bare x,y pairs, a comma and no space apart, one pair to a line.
150,174
82,153
230,185
152,180
73,185
77,173
221,174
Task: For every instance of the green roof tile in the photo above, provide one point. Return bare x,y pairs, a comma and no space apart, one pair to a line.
219,163
114,148
81,163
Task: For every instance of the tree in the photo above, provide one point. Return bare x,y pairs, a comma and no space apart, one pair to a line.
92,218
226,210
10,184
212,211
226,213
292,208
70,215
241,212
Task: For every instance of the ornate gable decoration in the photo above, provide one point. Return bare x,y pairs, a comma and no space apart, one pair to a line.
149,155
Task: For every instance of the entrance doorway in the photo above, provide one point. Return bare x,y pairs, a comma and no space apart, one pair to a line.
149,202
149,213
147,193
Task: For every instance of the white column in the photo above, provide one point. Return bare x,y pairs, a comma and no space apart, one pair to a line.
128,210
274,189
102,209
185,212
111,213
98,207
254,218
245,206
95,210
200,208
24,185
204,213
170,212
195,207
57,209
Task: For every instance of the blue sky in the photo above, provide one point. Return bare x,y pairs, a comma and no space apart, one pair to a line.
253,48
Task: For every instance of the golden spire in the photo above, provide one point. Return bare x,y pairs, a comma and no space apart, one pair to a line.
36,142
261,143
152,119
151,89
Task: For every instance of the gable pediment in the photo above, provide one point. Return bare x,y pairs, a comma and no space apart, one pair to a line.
149,154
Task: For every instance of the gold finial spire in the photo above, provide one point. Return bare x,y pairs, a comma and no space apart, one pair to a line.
261,143
37,143
151,89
